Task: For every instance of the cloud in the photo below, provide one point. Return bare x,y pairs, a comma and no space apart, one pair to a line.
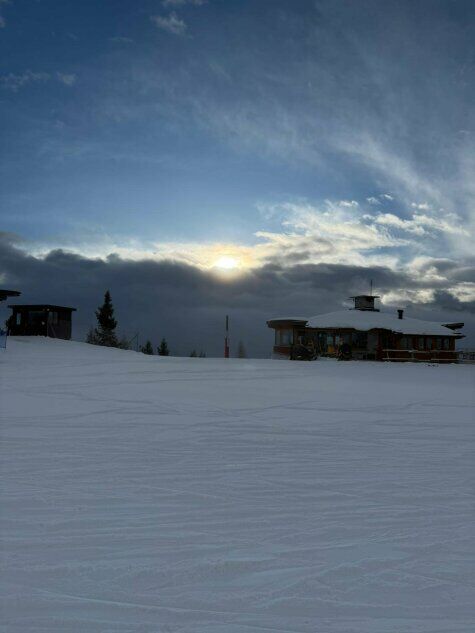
421,224
14,82
68,79
331,232
187,305
422,206
172,23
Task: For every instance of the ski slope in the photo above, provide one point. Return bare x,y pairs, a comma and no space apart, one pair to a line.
146,494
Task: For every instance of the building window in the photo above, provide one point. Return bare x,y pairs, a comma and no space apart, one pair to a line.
429,343
18,318
403,343
53,318
36,318
360,340
446,343
284,337
322,341
420,342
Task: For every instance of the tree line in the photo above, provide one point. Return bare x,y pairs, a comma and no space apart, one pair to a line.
105,331
105,334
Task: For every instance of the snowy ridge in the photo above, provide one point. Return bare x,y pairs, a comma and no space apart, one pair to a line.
142,494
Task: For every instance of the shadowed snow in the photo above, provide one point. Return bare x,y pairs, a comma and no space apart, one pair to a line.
146,494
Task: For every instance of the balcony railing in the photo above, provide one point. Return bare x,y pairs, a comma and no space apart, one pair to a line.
420,356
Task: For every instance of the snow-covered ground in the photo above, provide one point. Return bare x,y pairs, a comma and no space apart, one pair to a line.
145,494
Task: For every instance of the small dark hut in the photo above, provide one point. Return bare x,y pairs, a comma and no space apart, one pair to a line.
41,320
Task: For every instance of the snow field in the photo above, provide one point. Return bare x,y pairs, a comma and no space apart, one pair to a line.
147,494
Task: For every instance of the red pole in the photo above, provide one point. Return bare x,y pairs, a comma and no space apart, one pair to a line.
226,339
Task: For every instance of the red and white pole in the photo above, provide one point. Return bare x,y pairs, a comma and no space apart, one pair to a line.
226,339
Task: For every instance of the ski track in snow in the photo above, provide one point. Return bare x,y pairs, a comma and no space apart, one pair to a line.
145,494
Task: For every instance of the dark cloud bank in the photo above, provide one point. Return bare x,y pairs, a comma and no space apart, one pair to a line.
188,305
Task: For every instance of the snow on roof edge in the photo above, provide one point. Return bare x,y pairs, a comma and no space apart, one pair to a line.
365,320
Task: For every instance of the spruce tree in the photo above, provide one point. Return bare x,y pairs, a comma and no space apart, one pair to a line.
202,354
147,348
163,348
193,354
105,332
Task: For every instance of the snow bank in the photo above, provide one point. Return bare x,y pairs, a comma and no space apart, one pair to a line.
146,494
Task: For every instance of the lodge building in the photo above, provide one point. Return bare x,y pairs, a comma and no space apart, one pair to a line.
368,334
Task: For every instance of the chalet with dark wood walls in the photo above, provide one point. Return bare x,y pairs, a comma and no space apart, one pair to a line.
366,333
41,320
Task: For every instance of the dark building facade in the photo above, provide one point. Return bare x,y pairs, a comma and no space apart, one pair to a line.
41,320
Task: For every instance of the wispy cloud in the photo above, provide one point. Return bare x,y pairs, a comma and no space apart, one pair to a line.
421,224
422,206
171,23
68,79
14,82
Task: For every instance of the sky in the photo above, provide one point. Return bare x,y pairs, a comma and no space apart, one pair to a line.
256,158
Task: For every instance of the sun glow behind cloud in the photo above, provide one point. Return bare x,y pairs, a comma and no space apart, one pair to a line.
227,263
328,232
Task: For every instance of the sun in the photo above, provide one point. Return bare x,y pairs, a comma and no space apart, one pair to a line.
226,263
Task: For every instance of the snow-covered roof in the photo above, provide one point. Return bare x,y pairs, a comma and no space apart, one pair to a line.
294,318
365,320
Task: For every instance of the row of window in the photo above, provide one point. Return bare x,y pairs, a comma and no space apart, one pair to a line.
424,343
359,340
37,317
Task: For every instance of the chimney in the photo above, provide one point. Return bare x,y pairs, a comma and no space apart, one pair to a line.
400,313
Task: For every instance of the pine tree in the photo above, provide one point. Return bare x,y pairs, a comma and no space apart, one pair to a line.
163,348
193,354
202,354
105,314
147,348
241,350
105,334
